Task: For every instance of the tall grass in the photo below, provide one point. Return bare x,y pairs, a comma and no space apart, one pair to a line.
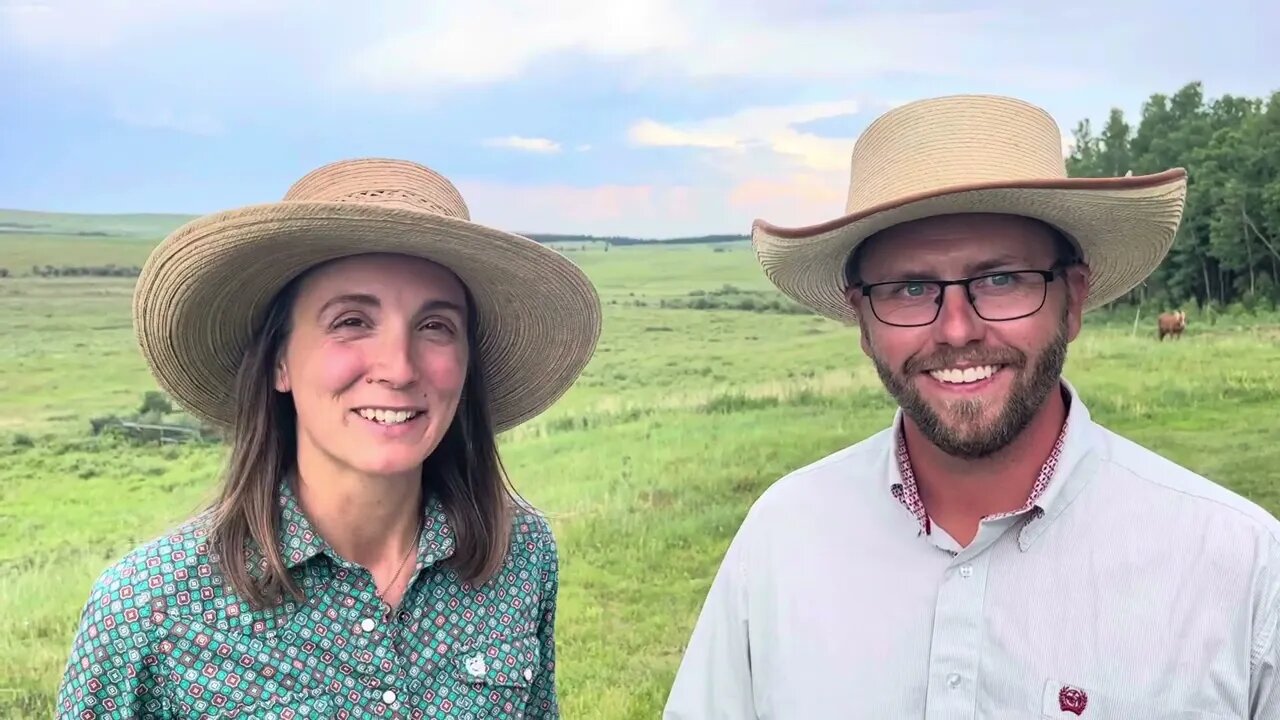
646,467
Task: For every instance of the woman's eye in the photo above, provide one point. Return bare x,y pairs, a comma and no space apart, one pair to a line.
437,326
350,321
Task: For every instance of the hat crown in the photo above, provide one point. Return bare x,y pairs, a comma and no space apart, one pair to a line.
929,145
385,183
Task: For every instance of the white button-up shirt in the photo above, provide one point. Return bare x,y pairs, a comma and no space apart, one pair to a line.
1131,589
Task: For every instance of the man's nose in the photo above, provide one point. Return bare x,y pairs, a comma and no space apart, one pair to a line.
958,323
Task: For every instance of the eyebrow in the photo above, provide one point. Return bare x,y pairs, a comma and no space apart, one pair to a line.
372,301
976,268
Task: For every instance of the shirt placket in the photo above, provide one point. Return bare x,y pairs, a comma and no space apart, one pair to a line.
956,645
958,635
383,690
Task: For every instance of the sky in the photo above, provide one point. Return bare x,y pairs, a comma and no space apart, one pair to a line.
655,118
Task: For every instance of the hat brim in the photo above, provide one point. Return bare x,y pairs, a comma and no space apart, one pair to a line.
1124,228
204,292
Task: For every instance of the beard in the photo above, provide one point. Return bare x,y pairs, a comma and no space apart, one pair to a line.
963,433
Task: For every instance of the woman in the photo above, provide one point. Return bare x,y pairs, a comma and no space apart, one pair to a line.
363,343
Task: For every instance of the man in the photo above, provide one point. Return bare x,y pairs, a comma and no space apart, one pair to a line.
994,553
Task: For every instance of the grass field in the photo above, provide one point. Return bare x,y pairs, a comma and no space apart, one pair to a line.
646,467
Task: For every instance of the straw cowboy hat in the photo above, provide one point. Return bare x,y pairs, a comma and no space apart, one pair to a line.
971,154
204,290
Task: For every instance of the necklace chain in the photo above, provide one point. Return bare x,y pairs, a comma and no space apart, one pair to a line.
413,546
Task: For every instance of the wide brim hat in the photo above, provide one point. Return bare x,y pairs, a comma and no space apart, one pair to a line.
976,154
205,289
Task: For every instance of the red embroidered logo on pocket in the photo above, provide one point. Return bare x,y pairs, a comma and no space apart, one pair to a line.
1072,700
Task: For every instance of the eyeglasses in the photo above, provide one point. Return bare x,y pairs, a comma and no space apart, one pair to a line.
998,296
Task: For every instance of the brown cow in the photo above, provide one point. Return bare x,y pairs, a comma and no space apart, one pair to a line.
1172,323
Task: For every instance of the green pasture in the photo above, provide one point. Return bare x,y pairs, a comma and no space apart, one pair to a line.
695,402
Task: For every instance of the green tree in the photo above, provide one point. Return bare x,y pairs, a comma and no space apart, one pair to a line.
1228,246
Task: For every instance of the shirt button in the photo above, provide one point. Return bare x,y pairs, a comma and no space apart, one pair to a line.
388,697
953,680
368,624
528,674
966,571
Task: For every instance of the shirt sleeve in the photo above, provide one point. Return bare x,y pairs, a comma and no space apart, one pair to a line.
543,702
106,676
713,681
1264,683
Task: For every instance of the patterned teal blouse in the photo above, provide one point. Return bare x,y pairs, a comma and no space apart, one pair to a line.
162,637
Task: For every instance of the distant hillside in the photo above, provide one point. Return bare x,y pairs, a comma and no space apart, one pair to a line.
156,226
27,222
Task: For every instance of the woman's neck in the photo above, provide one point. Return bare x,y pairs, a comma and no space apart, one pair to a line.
371,521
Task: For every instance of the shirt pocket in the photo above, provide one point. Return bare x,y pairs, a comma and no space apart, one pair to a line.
1066,701
495,676
292,706
219,674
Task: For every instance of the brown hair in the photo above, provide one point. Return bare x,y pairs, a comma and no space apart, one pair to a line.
464,471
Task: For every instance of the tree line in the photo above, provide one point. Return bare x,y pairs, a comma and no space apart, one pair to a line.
51,271
1227,249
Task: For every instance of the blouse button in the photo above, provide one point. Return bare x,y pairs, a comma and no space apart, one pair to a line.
368,624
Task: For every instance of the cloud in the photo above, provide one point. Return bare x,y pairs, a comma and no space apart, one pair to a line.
438,45
620,209
166,119
761,164
69,29
770,129
796,199
655,211
1068,144
655,134
515,142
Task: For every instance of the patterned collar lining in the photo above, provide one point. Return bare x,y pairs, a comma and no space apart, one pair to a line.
299,542
908,492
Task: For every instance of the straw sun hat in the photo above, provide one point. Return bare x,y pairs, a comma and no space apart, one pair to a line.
205,289
976,154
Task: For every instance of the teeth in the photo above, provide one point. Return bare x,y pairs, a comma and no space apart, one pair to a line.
387,417
967,375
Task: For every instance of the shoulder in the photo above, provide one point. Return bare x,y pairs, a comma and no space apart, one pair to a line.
1200,518
843,489
850,474
125,595
1147,475
532,538
146,570
529,526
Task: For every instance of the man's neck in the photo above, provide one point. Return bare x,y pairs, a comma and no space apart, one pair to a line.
958,493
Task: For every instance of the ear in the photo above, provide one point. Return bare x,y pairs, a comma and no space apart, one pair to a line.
863,338
851,296
282,377
1077,279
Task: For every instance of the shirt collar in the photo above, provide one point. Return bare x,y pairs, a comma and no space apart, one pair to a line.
299,542
1061,477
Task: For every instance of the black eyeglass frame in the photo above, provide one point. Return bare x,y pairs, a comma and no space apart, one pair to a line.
942,285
